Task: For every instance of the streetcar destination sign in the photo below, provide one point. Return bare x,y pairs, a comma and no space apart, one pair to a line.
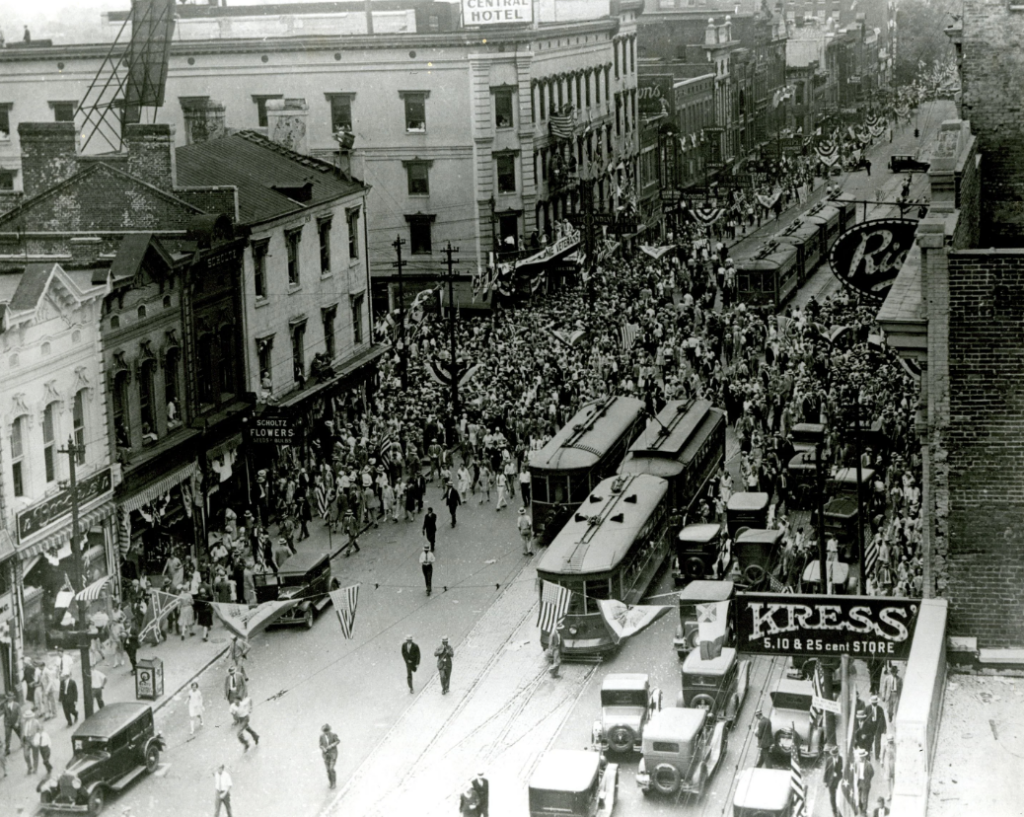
860,626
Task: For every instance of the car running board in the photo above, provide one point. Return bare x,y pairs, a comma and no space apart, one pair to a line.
118,785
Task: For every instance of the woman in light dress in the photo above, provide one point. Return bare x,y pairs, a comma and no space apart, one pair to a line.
196,710
187,614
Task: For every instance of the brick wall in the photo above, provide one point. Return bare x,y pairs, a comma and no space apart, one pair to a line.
984,446
151,154
48,154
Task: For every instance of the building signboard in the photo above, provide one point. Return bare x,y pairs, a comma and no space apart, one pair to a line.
496,12
859,626
870,255
34,519
272,429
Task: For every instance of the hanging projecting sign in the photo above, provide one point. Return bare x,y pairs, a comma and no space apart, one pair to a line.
50,510
860,626
492,12
869,256
272,429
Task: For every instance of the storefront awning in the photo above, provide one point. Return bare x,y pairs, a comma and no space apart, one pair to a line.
354,364
86,522
159,488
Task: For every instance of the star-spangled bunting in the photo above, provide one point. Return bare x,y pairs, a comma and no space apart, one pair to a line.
554,604
707,214
245,621
345,600
828,152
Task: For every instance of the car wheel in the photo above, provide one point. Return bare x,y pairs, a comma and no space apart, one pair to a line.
666,778
694,567
307,619
705,702
152,758
754,574
620,739
97,799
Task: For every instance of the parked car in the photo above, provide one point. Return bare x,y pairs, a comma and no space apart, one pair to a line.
716,685
907,163
627,702
756,554
700,553
111,749
306,575
573,783
763,793
791,713
806,436
681,750
746,509
699,592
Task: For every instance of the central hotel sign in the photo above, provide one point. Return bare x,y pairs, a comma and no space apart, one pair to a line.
491,12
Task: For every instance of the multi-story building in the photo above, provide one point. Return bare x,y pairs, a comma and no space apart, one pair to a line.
812,72
53,392
449,118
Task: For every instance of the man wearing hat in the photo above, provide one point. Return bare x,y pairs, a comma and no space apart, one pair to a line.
483,793
763,732
329,749
833,775
862,774
235,688
411,657
879,725
427,566
444,655
68,697
863,732
525,525
30,727
555,648
350,527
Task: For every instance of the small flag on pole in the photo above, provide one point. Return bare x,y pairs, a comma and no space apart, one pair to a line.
554,604
818,685
628,334
345,600
796,779
712,621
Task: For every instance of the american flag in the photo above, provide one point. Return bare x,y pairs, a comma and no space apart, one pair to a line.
871,557
796,780
818,685
778,587
561,124
345,600
554,604
628,333
384,448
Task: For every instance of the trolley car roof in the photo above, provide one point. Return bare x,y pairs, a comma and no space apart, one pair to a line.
602,529
668,455
588,435
783,254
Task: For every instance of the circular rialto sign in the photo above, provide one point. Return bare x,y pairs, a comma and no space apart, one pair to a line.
869,256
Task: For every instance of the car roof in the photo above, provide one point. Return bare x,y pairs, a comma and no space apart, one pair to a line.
675,723
713,666
625,680
840,572
763,789
699,533
795,686
841,506
566,770
303,561
759,535
706,590
748,501
111,719
849,475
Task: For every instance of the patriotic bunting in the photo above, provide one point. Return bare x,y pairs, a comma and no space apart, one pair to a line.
818,685
160,606
706,213
768,202
554,604
712,621
561,124
94,590
568,338
627,333
796,779
828,152
345,600
441,371
871,557
624,621
245,621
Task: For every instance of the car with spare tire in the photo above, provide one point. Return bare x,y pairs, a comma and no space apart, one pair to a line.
682,747
697,592
717,685
627,702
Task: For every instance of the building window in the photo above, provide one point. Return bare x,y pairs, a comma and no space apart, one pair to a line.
225,369
352,218
299,352
508,225
5,120
415,110
291,241
18,455
207,381
259,266
78,421
357,318
261,106
417,174
141,312
341,112
172,362
503,107
147,416
6,176
420,234
63,111
119,398
328,315
49,446
265,354
506,163
323,229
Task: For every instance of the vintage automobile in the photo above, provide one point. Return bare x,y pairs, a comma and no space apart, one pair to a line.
627,702
700,553
681,750
841,522
763,793
806,436
791,713
111,749
699,592
907,163
306,575
756,554
573,783
716,685
840,581
746,509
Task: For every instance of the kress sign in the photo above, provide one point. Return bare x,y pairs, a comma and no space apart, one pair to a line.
859,626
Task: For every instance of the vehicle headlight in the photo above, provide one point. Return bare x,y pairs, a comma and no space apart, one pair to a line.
76,783
573,630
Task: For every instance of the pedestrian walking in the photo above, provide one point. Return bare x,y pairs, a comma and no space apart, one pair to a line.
222,789
30,726
890,688
235,687
241,712
555,649
833,776
430,527
483,792
485,482
427,566
763,732
350,527
239,652
186,612
502,491
878,724
196,708
888,762
68,697
411,657
12,721
51,687
44,745
880,810
329,750
452,500
863,772
525,484
469,802
99,683
444,655
525,525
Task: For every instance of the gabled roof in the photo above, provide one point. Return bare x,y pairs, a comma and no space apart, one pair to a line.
264,173
31,287
131,252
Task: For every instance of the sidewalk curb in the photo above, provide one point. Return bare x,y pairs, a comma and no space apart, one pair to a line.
170,696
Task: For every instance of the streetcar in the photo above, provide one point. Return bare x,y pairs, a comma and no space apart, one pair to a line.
685,444
828,217
588,449
612,547
769,278
806,237
847,205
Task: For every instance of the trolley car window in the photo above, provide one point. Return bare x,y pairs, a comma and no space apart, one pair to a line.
559,490
600,589
540,487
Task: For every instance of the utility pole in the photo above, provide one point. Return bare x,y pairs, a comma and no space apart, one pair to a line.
73,451
860,508
402,367
826,589
448,251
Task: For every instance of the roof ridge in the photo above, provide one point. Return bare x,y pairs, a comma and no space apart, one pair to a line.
299,158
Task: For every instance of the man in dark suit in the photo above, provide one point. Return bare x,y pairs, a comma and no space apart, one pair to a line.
68,698
863,771
833,776
411,656
878,723
452,500
483,792
430,527
763,731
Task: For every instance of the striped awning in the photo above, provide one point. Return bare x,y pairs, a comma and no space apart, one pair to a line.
160,487
93,591
86,522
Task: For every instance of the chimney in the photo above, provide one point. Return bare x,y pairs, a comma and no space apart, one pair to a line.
204,120
151,154
711,33
49,154
286,123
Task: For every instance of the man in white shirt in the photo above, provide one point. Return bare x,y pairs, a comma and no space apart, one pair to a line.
222,785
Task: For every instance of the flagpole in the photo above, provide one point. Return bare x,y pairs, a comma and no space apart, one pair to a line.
448,251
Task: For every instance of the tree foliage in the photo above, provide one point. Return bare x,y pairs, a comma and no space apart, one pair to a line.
920,37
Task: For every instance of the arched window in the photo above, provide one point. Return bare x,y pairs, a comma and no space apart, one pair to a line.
78,419
46,348
172,381
147,412
49,441
18,475
119,401
224,367
115,322
142,311
207,381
